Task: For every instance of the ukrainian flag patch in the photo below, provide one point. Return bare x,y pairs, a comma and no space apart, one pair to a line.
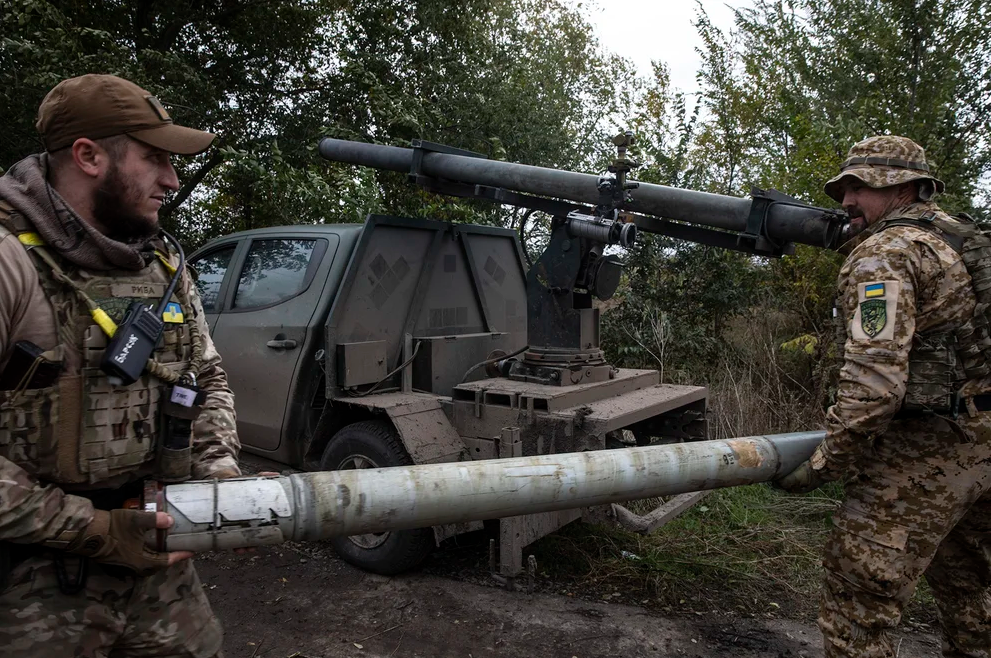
874,290
172,313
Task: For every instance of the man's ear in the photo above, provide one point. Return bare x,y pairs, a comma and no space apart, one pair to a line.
89,157
925,189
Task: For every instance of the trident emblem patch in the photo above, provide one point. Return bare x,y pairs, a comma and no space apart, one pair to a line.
873,316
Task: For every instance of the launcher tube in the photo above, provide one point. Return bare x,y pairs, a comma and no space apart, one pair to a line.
212,515
785,223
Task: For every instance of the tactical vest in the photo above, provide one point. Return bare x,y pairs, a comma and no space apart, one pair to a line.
83,429
943,359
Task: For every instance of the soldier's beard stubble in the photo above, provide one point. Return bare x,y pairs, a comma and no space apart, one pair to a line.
113,208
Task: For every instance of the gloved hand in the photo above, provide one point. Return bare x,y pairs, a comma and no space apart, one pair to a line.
802,480
118,537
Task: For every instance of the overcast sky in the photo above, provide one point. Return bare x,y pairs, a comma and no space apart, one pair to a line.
645,30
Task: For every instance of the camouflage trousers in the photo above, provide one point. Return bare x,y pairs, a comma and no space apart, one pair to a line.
921,505
117,614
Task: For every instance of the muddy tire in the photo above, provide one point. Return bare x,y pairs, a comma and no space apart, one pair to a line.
375,444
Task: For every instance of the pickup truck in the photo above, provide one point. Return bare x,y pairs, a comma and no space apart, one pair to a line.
384,344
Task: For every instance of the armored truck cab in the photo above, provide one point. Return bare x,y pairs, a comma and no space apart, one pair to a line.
396,342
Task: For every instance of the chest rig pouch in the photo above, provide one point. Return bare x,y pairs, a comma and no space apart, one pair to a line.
83,429
942,359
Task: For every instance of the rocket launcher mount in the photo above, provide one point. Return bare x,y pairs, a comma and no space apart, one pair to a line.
588,214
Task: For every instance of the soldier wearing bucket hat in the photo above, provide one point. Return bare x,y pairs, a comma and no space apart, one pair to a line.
910,432
885,161
79,243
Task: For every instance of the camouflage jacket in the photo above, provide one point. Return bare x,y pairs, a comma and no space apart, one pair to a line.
33,511
894,283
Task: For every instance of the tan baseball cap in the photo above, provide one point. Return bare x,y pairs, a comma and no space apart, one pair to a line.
97,106
883,161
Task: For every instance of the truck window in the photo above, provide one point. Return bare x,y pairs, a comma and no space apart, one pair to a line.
211,270
274,271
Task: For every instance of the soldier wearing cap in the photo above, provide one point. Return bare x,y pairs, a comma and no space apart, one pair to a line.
909,433
80,243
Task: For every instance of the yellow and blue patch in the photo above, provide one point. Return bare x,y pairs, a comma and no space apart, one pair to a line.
172,313
874,290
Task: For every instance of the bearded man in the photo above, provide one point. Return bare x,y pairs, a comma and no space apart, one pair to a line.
79,245
910,433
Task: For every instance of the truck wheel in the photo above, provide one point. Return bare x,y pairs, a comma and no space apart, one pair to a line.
375,444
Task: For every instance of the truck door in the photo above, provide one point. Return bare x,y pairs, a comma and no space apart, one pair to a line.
265,328
211,276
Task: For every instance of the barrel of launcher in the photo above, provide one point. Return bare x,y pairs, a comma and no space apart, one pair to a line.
784,222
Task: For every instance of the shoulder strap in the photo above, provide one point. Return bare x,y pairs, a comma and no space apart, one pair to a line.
34,244
12,220
953,235
12,223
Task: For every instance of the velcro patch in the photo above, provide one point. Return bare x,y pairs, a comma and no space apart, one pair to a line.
159,110
172,313
877,305
874,290
137,289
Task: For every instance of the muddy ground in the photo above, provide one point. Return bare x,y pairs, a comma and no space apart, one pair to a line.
301,601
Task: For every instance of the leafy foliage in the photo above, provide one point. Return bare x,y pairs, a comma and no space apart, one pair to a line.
783,96
517,79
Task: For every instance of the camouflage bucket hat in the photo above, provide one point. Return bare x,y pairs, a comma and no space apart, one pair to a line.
883,161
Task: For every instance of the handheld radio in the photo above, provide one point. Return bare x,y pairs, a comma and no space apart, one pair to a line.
138,334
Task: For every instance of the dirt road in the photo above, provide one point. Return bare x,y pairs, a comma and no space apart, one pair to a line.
282,603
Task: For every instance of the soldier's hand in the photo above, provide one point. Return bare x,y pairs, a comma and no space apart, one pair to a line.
802,480
118,537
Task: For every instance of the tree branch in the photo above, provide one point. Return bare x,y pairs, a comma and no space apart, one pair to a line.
166,41
224,18
194,180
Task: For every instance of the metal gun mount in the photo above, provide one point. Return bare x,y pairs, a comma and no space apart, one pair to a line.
563,327
588,214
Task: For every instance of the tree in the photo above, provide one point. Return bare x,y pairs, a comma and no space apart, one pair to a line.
827,74
238,68
783,96
516,79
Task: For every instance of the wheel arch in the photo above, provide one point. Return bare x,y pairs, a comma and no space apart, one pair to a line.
424,429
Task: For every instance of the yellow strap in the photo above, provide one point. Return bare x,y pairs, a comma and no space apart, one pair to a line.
31,240
165,261
101,318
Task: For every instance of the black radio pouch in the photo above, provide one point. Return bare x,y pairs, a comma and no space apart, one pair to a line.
28,368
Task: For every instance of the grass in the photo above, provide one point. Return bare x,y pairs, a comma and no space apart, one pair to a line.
751,548
748,550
